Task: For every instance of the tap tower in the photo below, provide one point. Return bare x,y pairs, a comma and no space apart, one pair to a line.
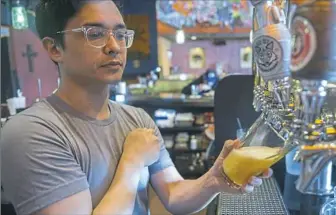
294,54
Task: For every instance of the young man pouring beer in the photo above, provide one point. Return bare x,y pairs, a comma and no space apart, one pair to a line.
77,152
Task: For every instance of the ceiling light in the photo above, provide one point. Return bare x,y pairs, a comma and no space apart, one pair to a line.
19,16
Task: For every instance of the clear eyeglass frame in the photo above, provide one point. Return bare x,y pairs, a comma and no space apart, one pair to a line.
124,37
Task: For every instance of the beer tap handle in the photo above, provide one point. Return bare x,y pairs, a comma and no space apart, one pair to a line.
271,45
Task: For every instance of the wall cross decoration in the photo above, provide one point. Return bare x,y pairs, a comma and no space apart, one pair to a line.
30,54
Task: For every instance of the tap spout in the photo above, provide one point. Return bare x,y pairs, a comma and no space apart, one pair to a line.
315,177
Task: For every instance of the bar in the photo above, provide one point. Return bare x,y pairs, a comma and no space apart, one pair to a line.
168,107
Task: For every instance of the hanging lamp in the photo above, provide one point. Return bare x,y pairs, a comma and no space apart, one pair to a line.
19,15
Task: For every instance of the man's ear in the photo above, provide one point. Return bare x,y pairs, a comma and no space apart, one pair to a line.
54,50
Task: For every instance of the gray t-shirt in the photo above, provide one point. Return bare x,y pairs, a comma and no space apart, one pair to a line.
50,152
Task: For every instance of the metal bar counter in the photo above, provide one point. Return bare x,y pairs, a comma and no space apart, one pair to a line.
265,200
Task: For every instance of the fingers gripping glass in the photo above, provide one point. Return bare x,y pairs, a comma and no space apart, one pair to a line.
98,36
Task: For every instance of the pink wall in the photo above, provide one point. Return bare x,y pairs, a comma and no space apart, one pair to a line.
229,55
44,68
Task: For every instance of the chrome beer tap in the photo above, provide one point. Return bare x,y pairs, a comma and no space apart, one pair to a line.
259,89
271,48
271,66
313,66
295,101
271,45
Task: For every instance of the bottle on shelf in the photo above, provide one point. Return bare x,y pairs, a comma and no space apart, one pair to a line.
193,143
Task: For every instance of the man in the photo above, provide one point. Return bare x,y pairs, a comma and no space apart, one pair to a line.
76,152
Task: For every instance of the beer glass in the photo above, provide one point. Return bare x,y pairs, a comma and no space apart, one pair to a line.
261,147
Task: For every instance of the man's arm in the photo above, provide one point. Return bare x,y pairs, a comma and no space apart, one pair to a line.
189,196
118,200
120,197
141,149
77,204
45,178
181,196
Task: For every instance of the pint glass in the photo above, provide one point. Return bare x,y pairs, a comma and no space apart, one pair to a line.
260,149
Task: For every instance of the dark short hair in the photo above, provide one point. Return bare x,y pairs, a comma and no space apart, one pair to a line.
53,15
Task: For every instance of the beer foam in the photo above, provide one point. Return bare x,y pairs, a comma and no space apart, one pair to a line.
258,152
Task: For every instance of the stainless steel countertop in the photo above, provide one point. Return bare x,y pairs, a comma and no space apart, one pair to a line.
265,200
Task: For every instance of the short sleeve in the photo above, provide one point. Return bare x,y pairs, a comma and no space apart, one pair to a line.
38,167
164,159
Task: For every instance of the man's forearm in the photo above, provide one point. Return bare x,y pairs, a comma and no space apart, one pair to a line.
120,197
190,196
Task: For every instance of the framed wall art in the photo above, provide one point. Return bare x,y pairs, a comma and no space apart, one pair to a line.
196,58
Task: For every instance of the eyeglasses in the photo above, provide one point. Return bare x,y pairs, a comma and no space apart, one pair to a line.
99,36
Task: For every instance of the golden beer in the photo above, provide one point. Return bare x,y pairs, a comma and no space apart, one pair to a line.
245,162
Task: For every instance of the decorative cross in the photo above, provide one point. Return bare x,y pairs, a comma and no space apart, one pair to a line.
30,54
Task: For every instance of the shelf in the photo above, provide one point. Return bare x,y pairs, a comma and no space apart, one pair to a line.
186,150
192,129
205,102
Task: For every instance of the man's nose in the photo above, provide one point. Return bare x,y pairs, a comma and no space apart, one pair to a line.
112,46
